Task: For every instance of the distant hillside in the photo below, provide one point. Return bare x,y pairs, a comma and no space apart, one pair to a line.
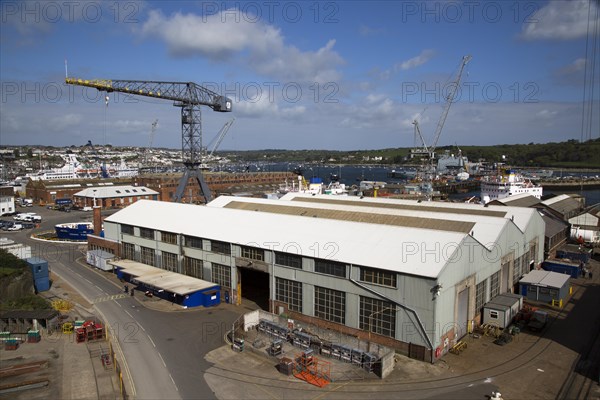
569,154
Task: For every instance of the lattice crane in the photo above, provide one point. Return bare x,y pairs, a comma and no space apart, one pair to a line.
219,138
187,95
449,99
152,132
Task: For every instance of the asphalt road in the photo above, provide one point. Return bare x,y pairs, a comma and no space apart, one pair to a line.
164,351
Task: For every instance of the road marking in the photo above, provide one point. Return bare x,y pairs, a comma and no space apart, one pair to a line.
142,327
127,312
87,280
173,380
151,341
119,304
98,287
163,361
108,298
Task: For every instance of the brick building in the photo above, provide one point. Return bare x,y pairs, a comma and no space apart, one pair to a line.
218,182
46,192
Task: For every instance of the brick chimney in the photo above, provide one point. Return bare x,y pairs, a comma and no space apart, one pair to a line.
97,220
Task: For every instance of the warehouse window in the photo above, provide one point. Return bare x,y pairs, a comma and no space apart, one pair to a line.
290,293
253,253
127,229
330,268
378,276
168,237
289,260
147,233
377,316
493,314
128,251
169,261
517,270
221,275
480,296
147,255
495,285
330,304
193,267
194,242
220,247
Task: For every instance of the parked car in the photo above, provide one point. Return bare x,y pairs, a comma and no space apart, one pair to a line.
28,225
15,227
87,208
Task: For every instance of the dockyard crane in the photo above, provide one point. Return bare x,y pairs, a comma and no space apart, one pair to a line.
429,151
219,138
187,95
449,100
152,132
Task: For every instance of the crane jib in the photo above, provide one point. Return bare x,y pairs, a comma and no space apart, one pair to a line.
184,92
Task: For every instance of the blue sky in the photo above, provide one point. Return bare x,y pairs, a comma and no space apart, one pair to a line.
302,75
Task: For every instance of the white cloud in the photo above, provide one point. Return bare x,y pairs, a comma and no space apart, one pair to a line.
365,30
546,113
65,122
266,108
562,20
259,45
421,59
125,126
576,66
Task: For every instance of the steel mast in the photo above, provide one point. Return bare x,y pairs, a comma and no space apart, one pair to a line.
187,95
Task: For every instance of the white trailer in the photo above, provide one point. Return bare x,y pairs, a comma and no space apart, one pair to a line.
99,259
502,309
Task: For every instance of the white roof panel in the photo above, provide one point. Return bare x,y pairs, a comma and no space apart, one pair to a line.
381,246
543,278
486,229
106,192
162,279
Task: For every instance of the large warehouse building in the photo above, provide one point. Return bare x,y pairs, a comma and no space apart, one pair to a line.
410,275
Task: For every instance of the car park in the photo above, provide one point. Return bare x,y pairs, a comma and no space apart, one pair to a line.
15,227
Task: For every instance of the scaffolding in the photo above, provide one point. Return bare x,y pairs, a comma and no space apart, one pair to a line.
309,368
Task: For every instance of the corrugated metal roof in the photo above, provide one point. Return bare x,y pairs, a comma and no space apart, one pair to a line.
562,204
519,200
170,281
485,230
395,248
389,203
553,226
543,278
370,218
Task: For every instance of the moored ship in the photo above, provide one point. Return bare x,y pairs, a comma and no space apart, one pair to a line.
74,231
506,184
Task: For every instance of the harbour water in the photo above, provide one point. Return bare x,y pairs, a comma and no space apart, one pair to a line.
353,174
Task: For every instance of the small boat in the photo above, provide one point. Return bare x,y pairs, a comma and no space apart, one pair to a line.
74,230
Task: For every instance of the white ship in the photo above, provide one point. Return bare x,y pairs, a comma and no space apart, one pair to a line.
73,169
68,171
506,184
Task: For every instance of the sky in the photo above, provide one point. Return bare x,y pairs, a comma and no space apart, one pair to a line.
350,75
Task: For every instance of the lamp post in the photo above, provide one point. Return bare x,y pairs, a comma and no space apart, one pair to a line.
94,191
